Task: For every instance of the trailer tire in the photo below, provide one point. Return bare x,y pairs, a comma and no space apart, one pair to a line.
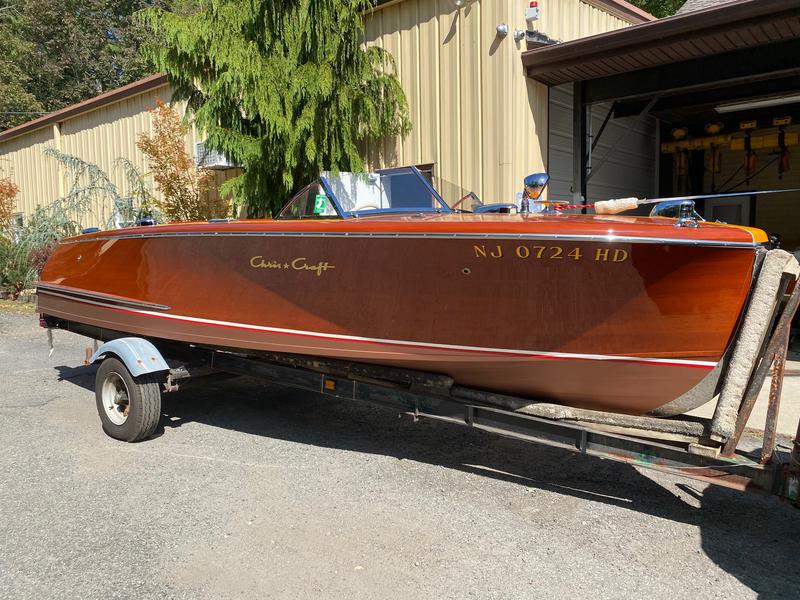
129,407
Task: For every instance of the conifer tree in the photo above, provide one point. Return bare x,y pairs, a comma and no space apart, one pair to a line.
285,88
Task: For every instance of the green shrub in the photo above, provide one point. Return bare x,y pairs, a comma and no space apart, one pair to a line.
16,270
24,251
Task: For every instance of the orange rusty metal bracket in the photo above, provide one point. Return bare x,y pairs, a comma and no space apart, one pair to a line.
775,353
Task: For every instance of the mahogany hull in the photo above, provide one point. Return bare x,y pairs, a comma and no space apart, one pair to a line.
625,323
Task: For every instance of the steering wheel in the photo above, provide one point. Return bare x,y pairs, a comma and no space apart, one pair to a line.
367,207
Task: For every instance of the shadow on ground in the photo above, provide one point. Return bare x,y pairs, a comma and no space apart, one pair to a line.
763,558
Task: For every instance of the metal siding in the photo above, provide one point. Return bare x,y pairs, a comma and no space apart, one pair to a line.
104,135
449,85
631,166
499,95
22,160
427,129
471,93
100,136
408,59
567,20
474,113
393,147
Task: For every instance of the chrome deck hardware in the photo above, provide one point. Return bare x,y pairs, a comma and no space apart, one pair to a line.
683,210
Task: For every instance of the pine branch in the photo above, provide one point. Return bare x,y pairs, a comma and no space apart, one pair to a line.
283,87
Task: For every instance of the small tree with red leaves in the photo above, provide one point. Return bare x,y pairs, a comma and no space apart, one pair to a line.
8,193
183,186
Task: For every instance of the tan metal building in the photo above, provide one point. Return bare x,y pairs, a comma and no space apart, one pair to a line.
476,116
99,130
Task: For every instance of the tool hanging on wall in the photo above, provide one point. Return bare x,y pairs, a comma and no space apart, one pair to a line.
775,143
682,169
680,158
714,164
713,155
750,160
783,151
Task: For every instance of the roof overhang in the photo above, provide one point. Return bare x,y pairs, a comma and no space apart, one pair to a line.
126,91
696,35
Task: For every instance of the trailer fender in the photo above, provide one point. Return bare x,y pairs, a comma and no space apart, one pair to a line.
139,355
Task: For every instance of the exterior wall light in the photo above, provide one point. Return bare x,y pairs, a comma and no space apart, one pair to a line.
532,13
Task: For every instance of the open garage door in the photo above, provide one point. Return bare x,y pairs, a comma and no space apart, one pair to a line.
630,168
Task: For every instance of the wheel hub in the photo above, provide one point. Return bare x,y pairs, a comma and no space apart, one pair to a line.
116,399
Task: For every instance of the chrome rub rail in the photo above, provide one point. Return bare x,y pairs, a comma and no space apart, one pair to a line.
424,235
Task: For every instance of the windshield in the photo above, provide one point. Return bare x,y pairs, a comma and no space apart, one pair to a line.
346,194
403,189
312,202
407,189
458,198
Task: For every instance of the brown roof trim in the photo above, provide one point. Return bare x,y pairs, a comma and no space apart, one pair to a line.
623,10
546,62
115,95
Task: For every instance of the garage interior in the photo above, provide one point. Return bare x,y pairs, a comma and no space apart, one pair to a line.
701,103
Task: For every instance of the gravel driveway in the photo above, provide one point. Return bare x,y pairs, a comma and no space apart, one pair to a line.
252,491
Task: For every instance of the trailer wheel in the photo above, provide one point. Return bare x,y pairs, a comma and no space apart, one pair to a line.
129,408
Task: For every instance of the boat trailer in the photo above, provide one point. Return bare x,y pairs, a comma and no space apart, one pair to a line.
683,446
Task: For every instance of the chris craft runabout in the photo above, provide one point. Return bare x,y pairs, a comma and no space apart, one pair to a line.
618,313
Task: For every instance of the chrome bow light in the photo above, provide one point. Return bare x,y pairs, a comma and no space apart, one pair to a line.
534,185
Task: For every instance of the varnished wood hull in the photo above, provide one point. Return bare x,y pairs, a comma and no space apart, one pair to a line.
626,323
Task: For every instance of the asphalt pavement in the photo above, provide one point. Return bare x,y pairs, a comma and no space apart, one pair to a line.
254,491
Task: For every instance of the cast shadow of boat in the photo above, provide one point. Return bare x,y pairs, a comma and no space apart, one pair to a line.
82,376
754,538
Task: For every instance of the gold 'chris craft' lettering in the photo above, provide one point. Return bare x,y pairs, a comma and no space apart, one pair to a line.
296,264
575,253
300,264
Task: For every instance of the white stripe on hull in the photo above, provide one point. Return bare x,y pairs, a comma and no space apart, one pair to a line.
389,342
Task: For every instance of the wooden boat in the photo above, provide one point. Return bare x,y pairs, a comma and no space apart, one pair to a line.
619,313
